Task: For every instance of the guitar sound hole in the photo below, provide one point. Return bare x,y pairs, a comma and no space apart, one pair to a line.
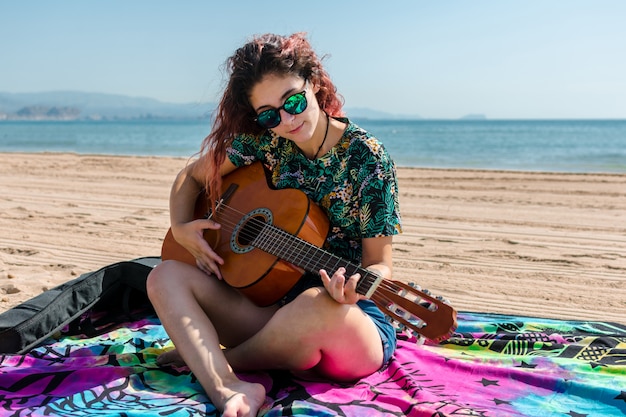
250,230
249,227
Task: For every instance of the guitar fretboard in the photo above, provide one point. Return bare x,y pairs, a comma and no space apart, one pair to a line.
309,257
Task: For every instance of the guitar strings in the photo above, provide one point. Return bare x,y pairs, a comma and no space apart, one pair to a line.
254,228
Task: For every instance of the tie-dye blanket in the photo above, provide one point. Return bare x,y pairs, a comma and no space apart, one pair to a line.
493,366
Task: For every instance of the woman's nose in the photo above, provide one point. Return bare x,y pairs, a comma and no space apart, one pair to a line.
286,117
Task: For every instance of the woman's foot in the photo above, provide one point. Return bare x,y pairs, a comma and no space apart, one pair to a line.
245,399
171,358
241,398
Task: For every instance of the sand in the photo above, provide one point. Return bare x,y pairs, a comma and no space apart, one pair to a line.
524,243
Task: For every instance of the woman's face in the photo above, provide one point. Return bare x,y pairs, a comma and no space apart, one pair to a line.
271,93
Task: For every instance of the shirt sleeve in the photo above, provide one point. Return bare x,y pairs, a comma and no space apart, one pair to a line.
244,150
379,209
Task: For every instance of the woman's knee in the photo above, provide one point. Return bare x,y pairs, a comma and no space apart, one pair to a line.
348,339
161,279
176,280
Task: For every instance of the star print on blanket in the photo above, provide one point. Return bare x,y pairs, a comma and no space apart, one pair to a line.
493,365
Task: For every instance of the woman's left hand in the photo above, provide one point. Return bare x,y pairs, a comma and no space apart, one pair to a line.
341,289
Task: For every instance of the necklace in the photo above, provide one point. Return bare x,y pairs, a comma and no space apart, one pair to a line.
323,140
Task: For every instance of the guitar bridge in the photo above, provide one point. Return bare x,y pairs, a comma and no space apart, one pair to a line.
223,199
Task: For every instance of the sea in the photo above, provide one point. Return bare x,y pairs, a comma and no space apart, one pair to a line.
575,146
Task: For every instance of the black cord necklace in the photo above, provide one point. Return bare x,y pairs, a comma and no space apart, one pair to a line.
323,140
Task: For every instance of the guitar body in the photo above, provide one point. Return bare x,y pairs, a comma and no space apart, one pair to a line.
260,276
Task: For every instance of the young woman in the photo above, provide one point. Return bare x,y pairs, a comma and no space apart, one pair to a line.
280,108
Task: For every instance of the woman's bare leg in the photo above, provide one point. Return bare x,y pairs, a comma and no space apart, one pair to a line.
194,308
314,332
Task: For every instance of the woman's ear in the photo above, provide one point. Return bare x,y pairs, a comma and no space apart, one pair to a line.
315,84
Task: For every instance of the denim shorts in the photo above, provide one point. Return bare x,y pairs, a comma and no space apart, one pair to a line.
384,327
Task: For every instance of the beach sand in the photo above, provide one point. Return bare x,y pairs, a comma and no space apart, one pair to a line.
524,243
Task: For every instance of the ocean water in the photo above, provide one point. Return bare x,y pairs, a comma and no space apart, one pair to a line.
526,145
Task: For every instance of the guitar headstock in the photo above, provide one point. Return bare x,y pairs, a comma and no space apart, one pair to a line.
415,310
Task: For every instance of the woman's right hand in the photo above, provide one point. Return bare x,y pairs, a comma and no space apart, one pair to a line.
187,186
190,235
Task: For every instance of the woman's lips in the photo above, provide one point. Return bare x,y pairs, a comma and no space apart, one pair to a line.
296,130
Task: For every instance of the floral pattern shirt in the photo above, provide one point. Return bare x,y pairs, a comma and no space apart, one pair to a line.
355,183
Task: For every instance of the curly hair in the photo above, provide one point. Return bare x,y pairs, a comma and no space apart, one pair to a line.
263,55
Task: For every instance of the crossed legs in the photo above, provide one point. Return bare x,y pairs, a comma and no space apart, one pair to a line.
312,333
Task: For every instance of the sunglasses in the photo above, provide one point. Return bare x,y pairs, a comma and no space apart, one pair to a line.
294,104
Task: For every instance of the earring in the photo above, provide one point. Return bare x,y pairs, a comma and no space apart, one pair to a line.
273,134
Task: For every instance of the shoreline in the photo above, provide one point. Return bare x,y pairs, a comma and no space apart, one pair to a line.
4,154
530,243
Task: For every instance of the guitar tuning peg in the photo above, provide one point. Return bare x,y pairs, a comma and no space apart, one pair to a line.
418,338
443,299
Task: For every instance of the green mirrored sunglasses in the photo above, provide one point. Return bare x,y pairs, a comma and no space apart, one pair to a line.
294,104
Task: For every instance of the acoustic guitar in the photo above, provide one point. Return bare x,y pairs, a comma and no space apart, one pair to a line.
269,238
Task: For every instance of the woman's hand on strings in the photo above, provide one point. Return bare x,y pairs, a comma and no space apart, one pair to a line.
341,289
191,236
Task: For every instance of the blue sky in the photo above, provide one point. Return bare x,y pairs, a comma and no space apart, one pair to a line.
532,59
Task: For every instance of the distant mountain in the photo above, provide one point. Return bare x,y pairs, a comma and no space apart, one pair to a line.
74,105
68,105
47,113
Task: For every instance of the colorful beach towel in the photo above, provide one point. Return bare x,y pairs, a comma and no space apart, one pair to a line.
494,365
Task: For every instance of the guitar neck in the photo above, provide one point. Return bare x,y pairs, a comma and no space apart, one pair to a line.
309,257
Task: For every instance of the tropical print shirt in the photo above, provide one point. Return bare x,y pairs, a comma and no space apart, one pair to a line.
355,183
